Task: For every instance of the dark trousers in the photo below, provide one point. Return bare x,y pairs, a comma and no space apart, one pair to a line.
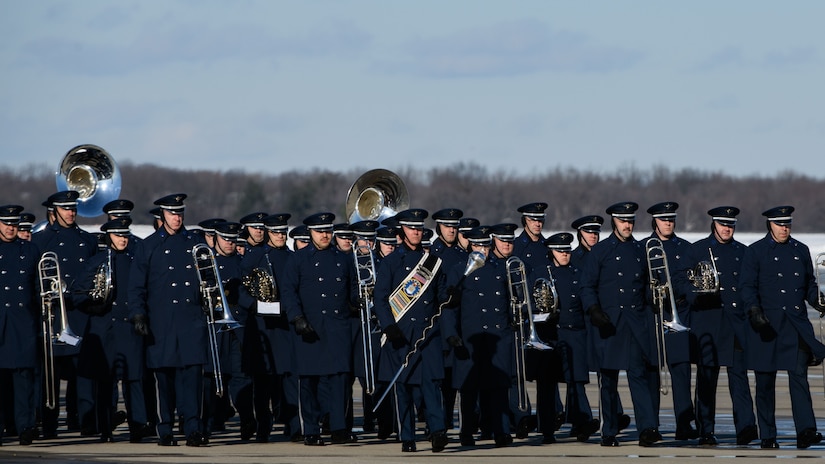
493,406
408,396
65,367
266,394
181,388
321,394
578,406
680,390
801,404
23,406
740,393
639,380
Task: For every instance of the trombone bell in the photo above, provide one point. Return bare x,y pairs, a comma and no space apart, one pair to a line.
92,172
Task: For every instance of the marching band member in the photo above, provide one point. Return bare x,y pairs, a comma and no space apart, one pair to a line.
318,290
24,229
300,237
570,335
74,246
343,237
465,224
777,279
614,284
588,229
275,378
208,227
479,331
677,344
408,290
19,327
111,349
718,325
445,246
386,240
253,227
165,306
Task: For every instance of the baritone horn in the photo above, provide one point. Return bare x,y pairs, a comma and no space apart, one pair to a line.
93,173
376,195
51,293
660,285
519,304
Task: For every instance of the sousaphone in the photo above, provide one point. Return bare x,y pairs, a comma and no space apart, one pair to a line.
92,172
376,195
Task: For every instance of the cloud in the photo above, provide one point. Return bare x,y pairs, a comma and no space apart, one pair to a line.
507,49
734,57
165,42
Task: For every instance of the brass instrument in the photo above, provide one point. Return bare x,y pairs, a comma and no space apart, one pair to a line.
51,292
92,172
376,195
660,285
519,304
101,293
704,276
819,264
545,294
365,267
260,283
214,299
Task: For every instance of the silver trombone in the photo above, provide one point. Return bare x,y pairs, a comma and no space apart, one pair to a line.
365,267
819,264
51,291
659,274
214,300
519,304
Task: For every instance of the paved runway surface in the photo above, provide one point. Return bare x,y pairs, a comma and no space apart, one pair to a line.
226,447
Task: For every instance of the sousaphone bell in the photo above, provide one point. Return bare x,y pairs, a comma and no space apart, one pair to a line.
92,172
376,195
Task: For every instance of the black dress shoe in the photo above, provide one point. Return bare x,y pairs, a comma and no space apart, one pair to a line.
467,440
649,437
548,439
807,438
87,432
167,440
196,439
248,429
408,447
488,436
526,425
296,438
138,433
708,439
686,432
609,441
106,439
584,431
340,437
439,441
384,432
503,440
560,418
624,422
769,443
313,440
747,435
369,427
118,418
27,436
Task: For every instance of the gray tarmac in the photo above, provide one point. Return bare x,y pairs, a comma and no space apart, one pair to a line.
226,447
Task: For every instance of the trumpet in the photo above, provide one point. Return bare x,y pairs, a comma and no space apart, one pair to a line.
519,303
545,294
660,285
51,291
365,267
215,301
705,276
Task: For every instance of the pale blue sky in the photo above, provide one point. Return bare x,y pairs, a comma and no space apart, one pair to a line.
526,86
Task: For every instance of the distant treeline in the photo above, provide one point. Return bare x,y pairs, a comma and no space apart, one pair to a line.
489,195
